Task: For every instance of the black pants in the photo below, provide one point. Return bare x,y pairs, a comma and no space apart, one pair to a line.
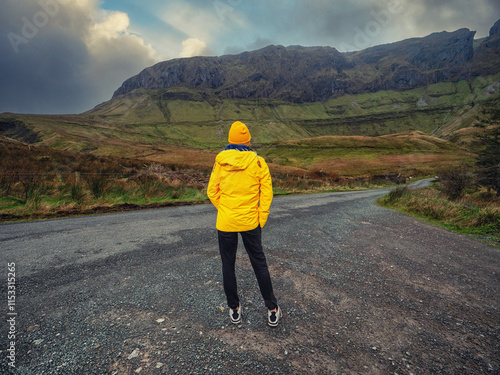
228,243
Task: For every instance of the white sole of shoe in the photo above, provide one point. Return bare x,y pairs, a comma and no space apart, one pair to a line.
279,315
237,321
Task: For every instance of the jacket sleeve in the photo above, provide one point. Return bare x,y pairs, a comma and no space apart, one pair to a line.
213,190
266,193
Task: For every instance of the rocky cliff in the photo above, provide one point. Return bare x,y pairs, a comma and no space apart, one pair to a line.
487,55
308,74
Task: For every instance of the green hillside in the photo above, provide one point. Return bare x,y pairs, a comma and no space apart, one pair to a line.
437,109
146,124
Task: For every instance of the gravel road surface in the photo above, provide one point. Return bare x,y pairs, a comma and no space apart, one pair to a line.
365,290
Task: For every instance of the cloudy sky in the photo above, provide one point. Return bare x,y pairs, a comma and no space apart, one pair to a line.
67,56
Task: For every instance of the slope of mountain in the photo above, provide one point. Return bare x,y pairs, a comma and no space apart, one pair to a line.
437,109
137,123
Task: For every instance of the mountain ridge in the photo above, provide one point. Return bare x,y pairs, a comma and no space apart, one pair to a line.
307,74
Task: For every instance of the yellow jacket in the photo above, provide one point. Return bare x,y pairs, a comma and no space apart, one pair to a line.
240,188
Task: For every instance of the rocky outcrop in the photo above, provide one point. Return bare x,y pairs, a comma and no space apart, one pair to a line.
493,41
199,72
417,62
306,74
272,72
487,55
495,29
443,50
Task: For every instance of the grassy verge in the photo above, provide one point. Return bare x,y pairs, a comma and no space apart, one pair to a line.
75,193
476,214
64,198
44,183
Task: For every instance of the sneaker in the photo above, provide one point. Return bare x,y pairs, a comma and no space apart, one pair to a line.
273,317
235,315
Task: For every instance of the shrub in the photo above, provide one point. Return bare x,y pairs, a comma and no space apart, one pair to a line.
34,198
489,162
150,185
397,194
487,216
97,184
77,193
454,182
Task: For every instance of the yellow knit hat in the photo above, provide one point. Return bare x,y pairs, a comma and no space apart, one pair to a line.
239,134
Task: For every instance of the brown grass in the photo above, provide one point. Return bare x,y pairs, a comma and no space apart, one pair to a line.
476,212
196,159
408,165
38,181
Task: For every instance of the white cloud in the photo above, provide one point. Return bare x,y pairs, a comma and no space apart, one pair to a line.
109,40
203,22
113,24
193,47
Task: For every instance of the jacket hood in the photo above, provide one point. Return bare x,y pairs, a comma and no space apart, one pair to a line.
235,160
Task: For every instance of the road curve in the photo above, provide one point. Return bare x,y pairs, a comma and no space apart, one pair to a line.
364,290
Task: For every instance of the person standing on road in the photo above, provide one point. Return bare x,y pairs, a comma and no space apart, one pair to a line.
241,189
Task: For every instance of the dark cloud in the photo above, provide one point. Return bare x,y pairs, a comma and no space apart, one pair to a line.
450,15
357,24
54,59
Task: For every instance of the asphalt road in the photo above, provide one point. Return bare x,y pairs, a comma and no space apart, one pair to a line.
363,289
